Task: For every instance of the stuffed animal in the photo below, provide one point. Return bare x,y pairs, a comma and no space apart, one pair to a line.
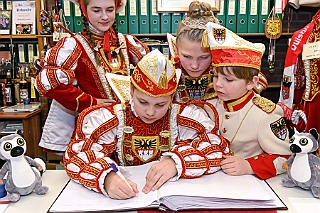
21,178
303,166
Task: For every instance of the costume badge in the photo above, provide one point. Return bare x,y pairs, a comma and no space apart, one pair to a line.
219,34
145,147
279,128
286,84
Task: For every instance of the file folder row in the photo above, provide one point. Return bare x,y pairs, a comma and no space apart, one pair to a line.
244,16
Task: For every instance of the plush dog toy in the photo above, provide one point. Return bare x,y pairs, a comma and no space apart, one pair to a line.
303,166
21,178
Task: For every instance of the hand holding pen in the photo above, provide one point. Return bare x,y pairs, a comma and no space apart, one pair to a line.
114,185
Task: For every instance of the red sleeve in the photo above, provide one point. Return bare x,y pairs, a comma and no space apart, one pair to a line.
263,165
71,97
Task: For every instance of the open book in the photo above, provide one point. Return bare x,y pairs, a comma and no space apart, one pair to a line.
215,191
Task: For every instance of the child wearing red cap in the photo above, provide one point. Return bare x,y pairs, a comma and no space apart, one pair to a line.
149,127
73,71
254,125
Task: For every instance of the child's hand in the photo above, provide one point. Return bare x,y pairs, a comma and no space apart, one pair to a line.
158,174
117,188
105,102
1,181
40,167
233,165
285,165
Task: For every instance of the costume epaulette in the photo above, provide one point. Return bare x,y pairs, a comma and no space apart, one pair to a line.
264,104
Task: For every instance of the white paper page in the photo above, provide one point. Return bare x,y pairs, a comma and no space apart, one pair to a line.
4,203
305,205
222,185
75,197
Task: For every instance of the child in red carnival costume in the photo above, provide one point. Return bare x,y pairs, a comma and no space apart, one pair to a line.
254,125
73,71
147,128
193,59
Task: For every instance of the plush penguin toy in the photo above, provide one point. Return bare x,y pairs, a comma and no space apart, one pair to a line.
22,179
303,166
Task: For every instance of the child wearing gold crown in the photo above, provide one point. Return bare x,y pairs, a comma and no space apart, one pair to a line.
193,59
254,125
73,71
147,128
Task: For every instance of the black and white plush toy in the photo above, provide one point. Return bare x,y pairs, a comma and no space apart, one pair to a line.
303,166
22,179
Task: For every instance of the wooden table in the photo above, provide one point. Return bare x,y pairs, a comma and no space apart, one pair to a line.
31,129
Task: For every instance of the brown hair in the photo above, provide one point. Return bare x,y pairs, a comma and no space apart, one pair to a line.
245,73
193,25
89,35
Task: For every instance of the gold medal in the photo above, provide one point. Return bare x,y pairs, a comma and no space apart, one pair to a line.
129,157
128,129
164,148
165,133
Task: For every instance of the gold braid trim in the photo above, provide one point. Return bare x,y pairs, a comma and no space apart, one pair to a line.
77,99
264,104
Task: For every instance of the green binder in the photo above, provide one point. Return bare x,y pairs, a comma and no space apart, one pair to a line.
231,18
242,13
144,17
154,17
264,13
68,14
165,26
176,18
122,20
253,17
221,15
133,8
77,21
165,50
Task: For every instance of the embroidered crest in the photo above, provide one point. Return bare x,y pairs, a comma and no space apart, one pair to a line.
145,147
279,128
219,34
286,84
197,87
264,104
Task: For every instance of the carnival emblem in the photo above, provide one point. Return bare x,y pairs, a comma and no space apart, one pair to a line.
145,147
219,34
279,128
286,84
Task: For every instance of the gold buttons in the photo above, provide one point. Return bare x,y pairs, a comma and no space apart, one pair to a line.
255,157
226,116
224,130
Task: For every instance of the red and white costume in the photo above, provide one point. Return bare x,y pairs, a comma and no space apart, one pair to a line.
115,134
71,76
255,126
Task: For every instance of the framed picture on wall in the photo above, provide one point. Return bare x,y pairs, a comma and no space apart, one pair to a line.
5,22
182,5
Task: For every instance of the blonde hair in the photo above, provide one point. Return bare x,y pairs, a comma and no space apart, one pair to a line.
245,73
193,25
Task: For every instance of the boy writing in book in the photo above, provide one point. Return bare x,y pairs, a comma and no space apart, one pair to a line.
254,125
147,128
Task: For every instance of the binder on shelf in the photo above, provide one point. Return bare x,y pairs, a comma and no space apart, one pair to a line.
165,50
144,17
242,19
265,9
221,16
77,22
30,52
8,5
133,9
68,14
21,53
122,20
165,25
176,18
154,17
253,18
231,16
1,4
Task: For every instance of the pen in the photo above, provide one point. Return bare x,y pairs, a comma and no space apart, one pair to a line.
115,169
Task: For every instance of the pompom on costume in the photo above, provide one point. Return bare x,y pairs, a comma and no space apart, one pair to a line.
185,133
254,125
